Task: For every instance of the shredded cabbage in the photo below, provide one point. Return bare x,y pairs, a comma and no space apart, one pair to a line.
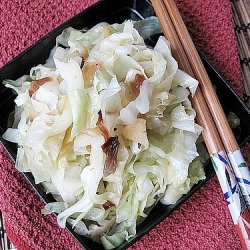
144,101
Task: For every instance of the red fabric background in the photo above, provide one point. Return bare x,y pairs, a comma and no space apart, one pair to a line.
203,222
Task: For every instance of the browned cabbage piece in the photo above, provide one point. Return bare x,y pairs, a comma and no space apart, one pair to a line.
36,84
110,147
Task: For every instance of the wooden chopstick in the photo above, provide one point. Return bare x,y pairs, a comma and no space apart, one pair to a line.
185,52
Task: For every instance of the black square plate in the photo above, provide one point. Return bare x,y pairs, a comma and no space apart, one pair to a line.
113,11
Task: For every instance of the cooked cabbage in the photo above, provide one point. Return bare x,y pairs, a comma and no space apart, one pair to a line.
106,126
